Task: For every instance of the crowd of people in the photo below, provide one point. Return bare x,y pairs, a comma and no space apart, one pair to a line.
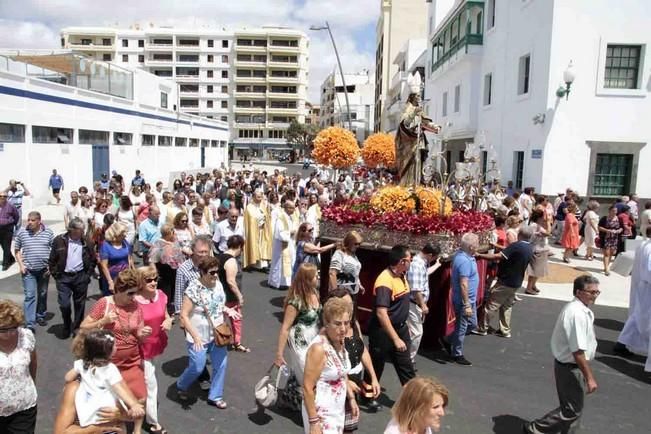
165,256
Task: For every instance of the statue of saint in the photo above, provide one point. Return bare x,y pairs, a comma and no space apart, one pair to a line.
411,144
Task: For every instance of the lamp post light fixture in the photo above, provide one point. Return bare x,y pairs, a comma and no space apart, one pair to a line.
341,71
568,77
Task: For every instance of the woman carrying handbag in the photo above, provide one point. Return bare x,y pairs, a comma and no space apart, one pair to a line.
205,317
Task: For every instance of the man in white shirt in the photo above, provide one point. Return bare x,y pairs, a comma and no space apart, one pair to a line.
573,345
72,208
233,225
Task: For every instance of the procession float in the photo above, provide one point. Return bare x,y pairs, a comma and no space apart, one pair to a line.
425,202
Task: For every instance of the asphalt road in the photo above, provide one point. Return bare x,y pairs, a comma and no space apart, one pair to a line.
511,380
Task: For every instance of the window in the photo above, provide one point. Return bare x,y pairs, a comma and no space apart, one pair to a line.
209,103
612,175
189,88
164,141
211,58
457,97
12,133
224,58
106,57
224,74
162,42
141,43
106,41
224,104
205,143
125,43
224,44
488,89
518,168
189,42
478,24
125,58
194,143
163,100
185,102
224,89
180,141
214,143
122,138
490,14
92,137
209,88
622,66
444,109
224,118
524,72
188,57
148,140
162,56
211,43
86,41
141,58
51,135
209,74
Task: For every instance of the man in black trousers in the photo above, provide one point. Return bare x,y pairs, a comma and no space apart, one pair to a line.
72,261
388,333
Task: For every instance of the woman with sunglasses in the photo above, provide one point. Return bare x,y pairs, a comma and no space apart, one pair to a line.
17,371
204,307
184,234
344,265
153,303
123,315
306,250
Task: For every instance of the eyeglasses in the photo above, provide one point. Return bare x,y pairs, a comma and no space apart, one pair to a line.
8,329
213,272
595,292
151,279
183,221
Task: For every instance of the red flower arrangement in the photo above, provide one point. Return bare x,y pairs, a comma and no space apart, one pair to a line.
358,211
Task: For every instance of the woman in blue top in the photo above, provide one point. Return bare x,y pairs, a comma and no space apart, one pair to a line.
115,253
306,250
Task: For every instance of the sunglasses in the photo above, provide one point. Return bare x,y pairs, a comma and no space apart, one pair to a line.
213,272
183,221
151,279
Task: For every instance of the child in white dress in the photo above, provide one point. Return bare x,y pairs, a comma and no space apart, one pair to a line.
101,383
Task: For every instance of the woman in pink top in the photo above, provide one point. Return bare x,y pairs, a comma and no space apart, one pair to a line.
153,303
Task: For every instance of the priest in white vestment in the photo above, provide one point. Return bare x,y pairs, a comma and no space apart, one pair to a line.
283,251
256,251
636,335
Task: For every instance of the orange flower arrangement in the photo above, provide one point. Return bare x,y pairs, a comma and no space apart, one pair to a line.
393,199
336,147
430,202
379,149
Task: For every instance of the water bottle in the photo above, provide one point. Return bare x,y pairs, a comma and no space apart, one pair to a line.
284,374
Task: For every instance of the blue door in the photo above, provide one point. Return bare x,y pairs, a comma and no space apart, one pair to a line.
100,161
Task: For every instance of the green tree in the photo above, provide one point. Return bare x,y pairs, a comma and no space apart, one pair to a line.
300,136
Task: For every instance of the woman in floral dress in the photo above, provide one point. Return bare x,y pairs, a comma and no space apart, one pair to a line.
609,231
325,385
301,320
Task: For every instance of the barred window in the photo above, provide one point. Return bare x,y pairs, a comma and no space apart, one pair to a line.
622,66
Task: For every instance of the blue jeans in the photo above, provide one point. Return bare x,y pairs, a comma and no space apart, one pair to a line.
462,326
219,360
35,286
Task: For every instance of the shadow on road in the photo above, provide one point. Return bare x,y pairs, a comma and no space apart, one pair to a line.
609,324
631,367
174,368
277,301
262,416
507,424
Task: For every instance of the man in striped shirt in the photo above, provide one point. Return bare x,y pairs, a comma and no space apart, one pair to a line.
32,249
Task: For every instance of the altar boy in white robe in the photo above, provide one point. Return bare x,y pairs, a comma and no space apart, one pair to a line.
283,250
636,335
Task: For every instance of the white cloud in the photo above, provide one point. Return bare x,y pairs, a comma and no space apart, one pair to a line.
37,23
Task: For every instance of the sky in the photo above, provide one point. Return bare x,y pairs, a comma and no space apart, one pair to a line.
37,23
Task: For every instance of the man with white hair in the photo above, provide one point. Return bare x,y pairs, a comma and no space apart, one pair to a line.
514,261
465,281
257,249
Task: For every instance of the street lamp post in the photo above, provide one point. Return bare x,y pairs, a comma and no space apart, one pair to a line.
341,71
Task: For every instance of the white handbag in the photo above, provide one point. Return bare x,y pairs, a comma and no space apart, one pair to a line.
266,390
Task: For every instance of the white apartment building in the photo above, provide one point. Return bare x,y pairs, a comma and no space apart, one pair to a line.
85,117
254,79
410,59
400,20
361,97
494,68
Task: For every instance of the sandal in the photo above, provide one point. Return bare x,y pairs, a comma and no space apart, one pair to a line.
241,348
220,404
160,430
